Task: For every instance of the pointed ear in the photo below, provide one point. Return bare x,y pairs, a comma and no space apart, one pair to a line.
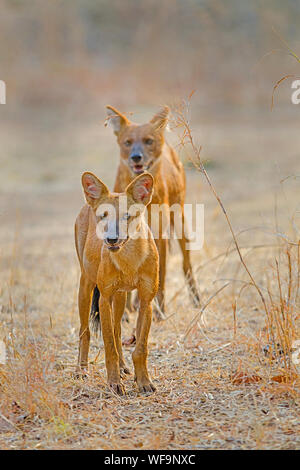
141,189
116,119
160,120
94,189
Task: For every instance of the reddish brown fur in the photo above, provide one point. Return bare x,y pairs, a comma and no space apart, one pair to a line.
163,163
133,266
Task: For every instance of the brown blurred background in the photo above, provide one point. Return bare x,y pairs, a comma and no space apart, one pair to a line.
62,61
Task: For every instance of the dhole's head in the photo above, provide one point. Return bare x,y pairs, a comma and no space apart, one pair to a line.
140,145
118,215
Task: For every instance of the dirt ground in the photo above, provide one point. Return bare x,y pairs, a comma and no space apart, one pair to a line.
253,160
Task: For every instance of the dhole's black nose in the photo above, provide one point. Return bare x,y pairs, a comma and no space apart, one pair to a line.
112,241
136,158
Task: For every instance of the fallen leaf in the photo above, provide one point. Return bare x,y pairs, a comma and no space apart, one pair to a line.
289,432
138,444
283,378
243,378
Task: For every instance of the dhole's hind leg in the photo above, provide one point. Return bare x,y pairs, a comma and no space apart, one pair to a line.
162,246
119,301
129,307
132,302
84,302
187,267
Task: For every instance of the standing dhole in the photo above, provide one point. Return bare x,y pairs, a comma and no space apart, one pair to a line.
143,148
116,260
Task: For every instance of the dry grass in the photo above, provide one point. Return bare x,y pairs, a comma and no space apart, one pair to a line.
214,368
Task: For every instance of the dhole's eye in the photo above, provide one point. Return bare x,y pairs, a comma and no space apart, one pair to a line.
126,216
128,142
103,216
149,141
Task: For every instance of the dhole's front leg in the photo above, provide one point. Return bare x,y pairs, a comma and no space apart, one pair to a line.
84,300
111,353
162,246
140,353
119,301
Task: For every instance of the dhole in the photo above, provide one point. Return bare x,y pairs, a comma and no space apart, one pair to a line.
143,148
116,260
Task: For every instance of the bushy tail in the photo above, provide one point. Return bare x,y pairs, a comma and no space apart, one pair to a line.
95,314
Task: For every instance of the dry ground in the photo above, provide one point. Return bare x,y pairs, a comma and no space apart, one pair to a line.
197,405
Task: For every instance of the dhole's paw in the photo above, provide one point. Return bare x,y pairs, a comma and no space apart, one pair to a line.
117,388
129,341
124,371
158,315
145,386
81,373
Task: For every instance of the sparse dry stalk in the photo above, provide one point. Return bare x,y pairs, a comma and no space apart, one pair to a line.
280,322
279,314
234,319
290,277
181,121
282,303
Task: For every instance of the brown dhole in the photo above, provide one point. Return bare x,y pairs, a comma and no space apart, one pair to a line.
143,148
116,261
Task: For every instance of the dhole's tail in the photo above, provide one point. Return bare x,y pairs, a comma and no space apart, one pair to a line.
95,314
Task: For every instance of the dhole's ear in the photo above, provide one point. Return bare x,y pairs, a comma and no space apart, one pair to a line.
94,189
160,120
117,120
141,189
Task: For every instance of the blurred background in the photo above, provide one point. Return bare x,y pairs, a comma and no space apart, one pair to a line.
63,61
